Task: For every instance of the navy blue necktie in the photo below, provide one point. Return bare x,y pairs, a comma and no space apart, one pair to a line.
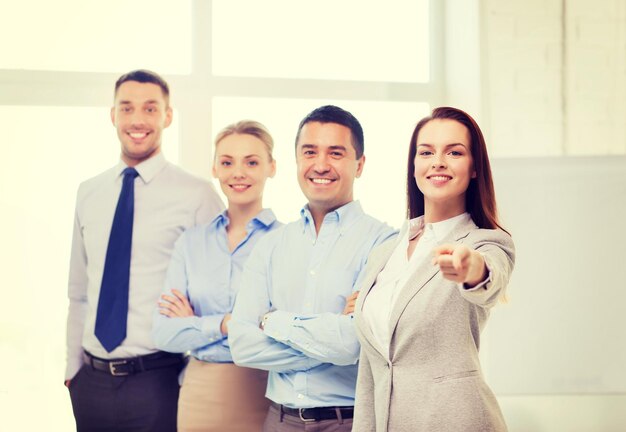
113,302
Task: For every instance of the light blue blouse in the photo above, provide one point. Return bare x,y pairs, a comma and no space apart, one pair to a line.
204,269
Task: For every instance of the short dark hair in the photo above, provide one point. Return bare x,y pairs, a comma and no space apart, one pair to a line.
145,76
334,114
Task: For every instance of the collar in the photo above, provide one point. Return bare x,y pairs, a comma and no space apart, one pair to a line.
265,218
438,229
344,216
147,169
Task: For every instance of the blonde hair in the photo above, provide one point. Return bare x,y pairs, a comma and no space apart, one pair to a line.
248,127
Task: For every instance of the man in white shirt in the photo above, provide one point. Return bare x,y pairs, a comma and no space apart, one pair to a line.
136,210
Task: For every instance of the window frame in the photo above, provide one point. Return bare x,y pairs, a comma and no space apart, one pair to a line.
192,94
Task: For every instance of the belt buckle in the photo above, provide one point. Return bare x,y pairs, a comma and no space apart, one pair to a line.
305,420
112,367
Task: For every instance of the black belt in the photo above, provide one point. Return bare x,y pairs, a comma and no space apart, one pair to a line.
133,365
317,414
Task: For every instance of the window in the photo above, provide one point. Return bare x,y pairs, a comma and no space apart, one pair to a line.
56,81
112,36
47,151
348,40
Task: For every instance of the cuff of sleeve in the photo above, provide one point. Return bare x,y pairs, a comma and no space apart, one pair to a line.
73,367
210,327
484,285
278,325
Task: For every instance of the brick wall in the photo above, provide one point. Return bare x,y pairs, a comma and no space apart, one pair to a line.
555,76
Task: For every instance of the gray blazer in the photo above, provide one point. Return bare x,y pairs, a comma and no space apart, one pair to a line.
431,380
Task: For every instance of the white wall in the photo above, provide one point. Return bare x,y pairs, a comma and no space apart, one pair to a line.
564,413
522,76
595,79
554,87
463,82
555,353
555,76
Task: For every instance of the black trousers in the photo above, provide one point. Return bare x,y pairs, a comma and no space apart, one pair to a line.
145,401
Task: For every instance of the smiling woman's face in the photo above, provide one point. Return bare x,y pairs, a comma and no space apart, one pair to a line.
444,166
242,165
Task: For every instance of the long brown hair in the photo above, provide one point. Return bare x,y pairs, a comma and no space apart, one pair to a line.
480,198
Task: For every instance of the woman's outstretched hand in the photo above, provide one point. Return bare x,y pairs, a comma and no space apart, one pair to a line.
460,264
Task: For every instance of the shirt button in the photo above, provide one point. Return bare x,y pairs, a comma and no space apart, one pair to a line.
300,396
312,272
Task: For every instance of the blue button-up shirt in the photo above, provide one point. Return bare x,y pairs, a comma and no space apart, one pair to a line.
208,273
308,346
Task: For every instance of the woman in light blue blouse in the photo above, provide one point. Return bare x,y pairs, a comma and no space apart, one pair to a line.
201,285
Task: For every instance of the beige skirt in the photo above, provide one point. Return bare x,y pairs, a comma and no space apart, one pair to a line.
222,397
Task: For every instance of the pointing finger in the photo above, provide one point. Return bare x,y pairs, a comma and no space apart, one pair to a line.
444,249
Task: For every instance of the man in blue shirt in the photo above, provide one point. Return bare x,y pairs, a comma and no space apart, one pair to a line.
293,313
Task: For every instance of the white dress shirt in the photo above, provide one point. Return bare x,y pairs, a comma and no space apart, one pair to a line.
381,299
167,201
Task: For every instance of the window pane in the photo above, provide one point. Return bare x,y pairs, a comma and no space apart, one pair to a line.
346,40
47,152
387,127
94,36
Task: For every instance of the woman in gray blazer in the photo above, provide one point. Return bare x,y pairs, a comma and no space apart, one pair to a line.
426,296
